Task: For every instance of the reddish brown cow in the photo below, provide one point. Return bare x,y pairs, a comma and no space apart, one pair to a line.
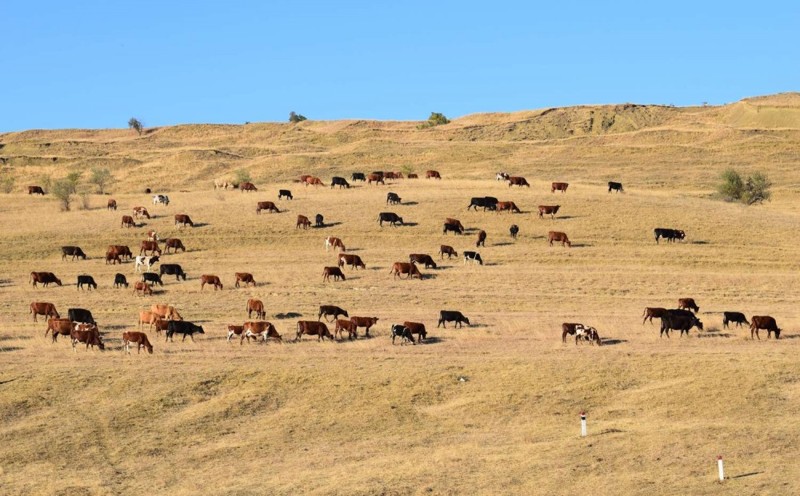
455,222
559,237
421,258
313,328
152,235
432,174
113,258
140,212
175,244
481,239
183,219
447,250
302,220
314,181
257,306
417,328
210,279
260,330
413,176
653,312
142,288
137,338
127,221
688,304
376,178
405,268
234,330
88,334
45,278
334,272
35,190
304,177
267,205
244,277
151,246
550,210
334,242
59,326
365,322
112,204
508,205
120,251
562,187
148,318
247,187
43,308
764,322
353,261
345,325
517,181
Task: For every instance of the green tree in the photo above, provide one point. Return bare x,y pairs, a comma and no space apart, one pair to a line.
102,178
63,190
243,176
754,189
732,185
435,119
295,118
136,125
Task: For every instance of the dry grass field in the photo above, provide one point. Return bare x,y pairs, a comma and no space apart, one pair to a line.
367,417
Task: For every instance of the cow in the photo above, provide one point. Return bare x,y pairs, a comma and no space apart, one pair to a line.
451,316
172,269
302,220
421,258
127,221
43,308
140,212
365,322
57,326
167,312
513,230
334,242
562,187
679,320
375,178
559,237
413,176
175,244
764,322
113,258
353,261
390,217
449,227
401,331
152,235
303,178
144,261
151,246
313,328
181,327
392,199
87,280
112,204
614,186
319,221
246,186
392,175
286,193
120,251
653,312
581,333
137,338
502,176
149,318
73,251
234,330
210,279
432,174
517,181
688,304
736,317
81,315
447,250
244,277
267,205
161,199
334,272
120,280
472,256
487,202
405,268
35,190
143,288
331,310
183,219
339,181
160,325
481,239
345,325
508,205
550,210
45,278
315,181
222,183
357,176
257,306
259,330
457,222
88,334
418,329
152,278
668,234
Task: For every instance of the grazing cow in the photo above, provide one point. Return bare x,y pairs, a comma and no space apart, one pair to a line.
258,330
334,272
375,178
562,187
405,268
88,334
334,242
234,330
392,175
302,220
550,210
418,329
45,278
113,258
120,251
688,304
167,312
365,322
120,280
502,176
581,332
151,246
152,278
43,308
152,235
472,256
513,230
222,183
137,338
81,315
421,258
144,261
517,181
401,331
172,269
112,204
449,227
313,328
558,237
508,205
73,251
141,287
357,176
447,250
392,199
267,205
315,181
737,317
390,217
183,219
244,277
339,181
257,306
457,222
613,186
175,244
210,279
487,202
160,325
653,312
413,176
247,187
286,193
679,320
481,239
668,234
162,199
319,221
432,174
140,212
87,280
451,316
35,190
59,326
185,328
149,318
127,221
345,325
331,310
303,178
353,261
764,322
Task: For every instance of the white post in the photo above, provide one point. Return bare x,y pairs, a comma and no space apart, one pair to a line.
721,470
583,424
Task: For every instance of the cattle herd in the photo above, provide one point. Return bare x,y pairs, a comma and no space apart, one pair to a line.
81,327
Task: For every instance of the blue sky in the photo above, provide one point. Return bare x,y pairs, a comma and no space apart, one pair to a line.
95,64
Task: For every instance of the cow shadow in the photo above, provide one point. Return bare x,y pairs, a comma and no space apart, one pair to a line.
4,349
503,243
200,224
699,242
411,224
612,342
567,217
790,336
491,264
4,283
581,245
428,276
432,340
326,225
9,338
112,327
287,315
409,203
712,334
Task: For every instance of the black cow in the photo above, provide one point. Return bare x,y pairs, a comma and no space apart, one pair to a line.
456,228
80,315
119,281
392,198
487,202
612,186
514,230
403,332
737,317
183,327
152,278
87,280
358,176
390,217
73,251
451,316
339,181
173,269
286,193
668,234
472,256
319,220
679,320
331,310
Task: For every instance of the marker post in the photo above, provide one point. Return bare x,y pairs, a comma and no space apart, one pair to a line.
720,468
583,424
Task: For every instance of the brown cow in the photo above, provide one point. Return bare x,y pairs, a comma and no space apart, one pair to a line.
234,330
140,212
376,178
247,187
432,174
413,176
653,312
416,328
175,244
260,330
43,308
302,220
112,257
183,219
421,258
315,181
210,279
152,235
88,334
405,268
334,242
508,205
455,222
143,288
127,221
137,338
151,246
558,237
365,322
59,326
334,272
112,204
257,306
120,251
481,239
517,181
688,304
148,318
353,261
562,187
160,325
244,277
345,325
45,278
764,322
167,312
447,250
313,328
550,210
266,205
393,175
35,190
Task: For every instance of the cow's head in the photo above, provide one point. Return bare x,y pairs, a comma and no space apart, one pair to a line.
200,330
100,343
58,281
698,323
466,321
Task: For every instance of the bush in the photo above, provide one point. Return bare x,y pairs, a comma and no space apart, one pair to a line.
101,178
295,118
7,184
243,176
732,185
435,119
63,190
754,189
136,125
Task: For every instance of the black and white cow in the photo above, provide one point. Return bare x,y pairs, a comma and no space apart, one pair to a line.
183,327
472,256
145,261
152,278
173,269
286,193
502,176
390,217
87,280
587,333
119,281
163,199
402,332
451,316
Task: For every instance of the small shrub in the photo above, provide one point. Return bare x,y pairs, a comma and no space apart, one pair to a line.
754,189
63,190
243,176
435,119
732,185
102,178
295,118
136,125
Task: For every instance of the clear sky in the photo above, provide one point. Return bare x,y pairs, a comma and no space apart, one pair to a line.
96,63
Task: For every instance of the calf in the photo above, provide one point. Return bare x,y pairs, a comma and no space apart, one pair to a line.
481,239
285,193
165,311
581,333
244,277
112,204
737,317
88,334
614,186
183,220
421,258
113,258
327,310
501,176
390,217
182,327
558,237
472,256
127,221
365,322
409,269
517,181
149,318
562,187
550,210
432,174
508,205
162,199
334,272
151,246
353,261
764,322
339,181
334,242
413,176
141,287
152,278
513,230
401,331
119,280
235,330
315,181
266,205
451,316
447,250
257,306
210,279
172,269
345,325
137,338
87,280
653,312
392,199
246,186
73,251
447,227
313,328
688,304
140,212
37,190
302,221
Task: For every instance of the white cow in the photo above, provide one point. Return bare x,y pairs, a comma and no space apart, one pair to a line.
142,260
587,333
